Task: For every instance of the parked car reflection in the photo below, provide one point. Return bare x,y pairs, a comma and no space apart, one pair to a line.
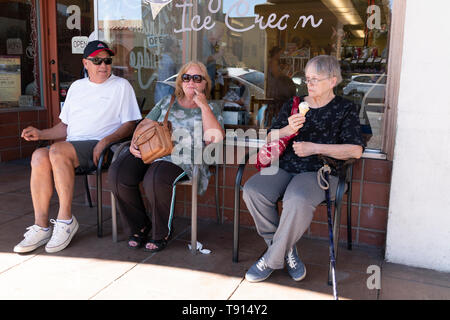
361,84
252,79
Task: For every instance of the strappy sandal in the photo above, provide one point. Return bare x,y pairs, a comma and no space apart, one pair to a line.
139,238
159,245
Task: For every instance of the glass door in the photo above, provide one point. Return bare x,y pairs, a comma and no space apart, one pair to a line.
75,27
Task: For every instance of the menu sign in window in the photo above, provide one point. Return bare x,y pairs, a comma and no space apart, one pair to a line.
10,85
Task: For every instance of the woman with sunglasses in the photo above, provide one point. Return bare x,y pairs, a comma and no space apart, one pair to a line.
190,110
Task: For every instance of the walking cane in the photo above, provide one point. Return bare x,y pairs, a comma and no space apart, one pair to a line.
324,183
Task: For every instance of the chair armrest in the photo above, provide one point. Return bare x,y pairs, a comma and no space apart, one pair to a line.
111,147
120,148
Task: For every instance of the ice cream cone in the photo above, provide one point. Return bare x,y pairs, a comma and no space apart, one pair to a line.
303,108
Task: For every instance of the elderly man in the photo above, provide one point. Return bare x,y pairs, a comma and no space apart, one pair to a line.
98,110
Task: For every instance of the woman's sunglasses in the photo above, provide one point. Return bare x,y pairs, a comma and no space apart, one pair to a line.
98,61
195,77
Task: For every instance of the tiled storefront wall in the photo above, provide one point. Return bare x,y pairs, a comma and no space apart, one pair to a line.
12,146
370,197
371,185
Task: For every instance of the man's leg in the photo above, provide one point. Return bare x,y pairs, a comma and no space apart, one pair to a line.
41,185
60,162
64,160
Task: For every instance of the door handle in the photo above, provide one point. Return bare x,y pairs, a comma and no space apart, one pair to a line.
53,83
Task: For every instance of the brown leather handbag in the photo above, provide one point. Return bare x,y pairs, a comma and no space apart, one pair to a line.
154,139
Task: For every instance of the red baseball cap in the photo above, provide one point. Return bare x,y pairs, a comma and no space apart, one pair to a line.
95,47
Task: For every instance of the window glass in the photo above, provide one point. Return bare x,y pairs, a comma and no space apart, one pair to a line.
19,55
252,48
75,27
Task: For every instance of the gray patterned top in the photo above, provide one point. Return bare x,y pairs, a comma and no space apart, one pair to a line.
187,136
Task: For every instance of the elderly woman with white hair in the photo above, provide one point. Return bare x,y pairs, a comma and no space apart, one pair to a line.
330,128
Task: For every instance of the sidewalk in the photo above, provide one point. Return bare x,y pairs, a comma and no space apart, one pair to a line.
97,268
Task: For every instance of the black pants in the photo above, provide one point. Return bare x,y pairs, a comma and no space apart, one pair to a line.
125,175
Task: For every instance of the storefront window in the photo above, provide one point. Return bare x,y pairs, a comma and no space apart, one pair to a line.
19,55
75,27
252,48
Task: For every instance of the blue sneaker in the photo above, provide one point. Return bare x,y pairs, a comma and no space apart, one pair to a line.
259,271
295,266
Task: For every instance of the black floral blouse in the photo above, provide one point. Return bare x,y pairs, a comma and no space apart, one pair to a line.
335,123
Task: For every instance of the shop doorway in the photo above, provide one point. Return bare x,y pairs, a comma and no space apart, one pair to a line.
75,26
70,25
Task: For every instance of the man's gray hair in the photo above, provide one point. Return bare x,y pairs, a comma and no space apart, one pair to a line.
327,65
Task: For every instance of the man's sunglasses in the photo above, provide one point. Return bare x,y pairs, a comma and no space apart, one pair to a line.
195,77
98,61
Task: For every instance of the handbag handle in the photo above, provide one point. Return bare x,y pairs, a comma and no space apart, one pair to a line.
295,105
166,117
165,122
294,110
145,136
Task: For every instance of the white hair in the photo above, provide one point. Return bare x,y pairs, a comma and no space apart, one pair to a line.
327,65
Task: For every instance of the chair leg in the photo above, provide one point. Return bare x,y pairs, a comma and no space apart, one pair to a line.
349,211
336,224
219,218
114,217
99,204
88,193
194,211
237,208
236,225
336,227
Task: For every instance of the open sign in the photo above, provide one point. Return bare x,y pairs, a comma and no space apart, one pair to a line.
78,44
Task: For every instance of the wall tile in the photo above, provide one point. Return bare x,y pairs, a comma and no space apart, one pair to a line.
373,218
357,169
9,130
8,155
11,142
25,116
376,194
372,238
377,171
9,117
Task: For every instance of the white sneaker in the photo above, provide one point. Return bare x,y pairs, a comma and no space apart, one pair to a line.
34,238
62,234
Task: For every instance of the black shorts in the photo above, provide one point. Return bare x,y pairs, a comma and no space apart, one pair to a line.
85,150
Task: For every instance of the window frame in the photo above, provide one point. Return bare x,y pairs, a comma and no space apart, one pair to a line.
393,80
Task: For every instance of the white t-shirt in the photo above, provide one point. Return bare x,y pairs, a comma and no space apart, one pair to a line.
93,111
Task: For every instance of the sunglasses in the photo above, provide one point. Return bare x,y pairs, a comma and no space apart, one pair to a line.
195,77
98,61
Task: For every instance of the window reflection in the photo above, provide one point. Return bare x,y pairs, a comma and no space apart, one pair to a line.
252,48
19,60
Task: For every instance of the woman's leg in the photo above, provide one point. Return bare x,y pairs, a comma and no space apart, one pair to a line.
158,183
300,200
125,175
261,193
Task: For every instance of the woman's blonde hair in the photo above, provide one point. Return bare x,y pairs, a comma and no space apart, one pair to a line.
178,82
327,65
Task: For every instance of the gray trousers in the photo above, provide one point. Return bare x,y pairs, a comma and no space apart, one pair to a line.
300,194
